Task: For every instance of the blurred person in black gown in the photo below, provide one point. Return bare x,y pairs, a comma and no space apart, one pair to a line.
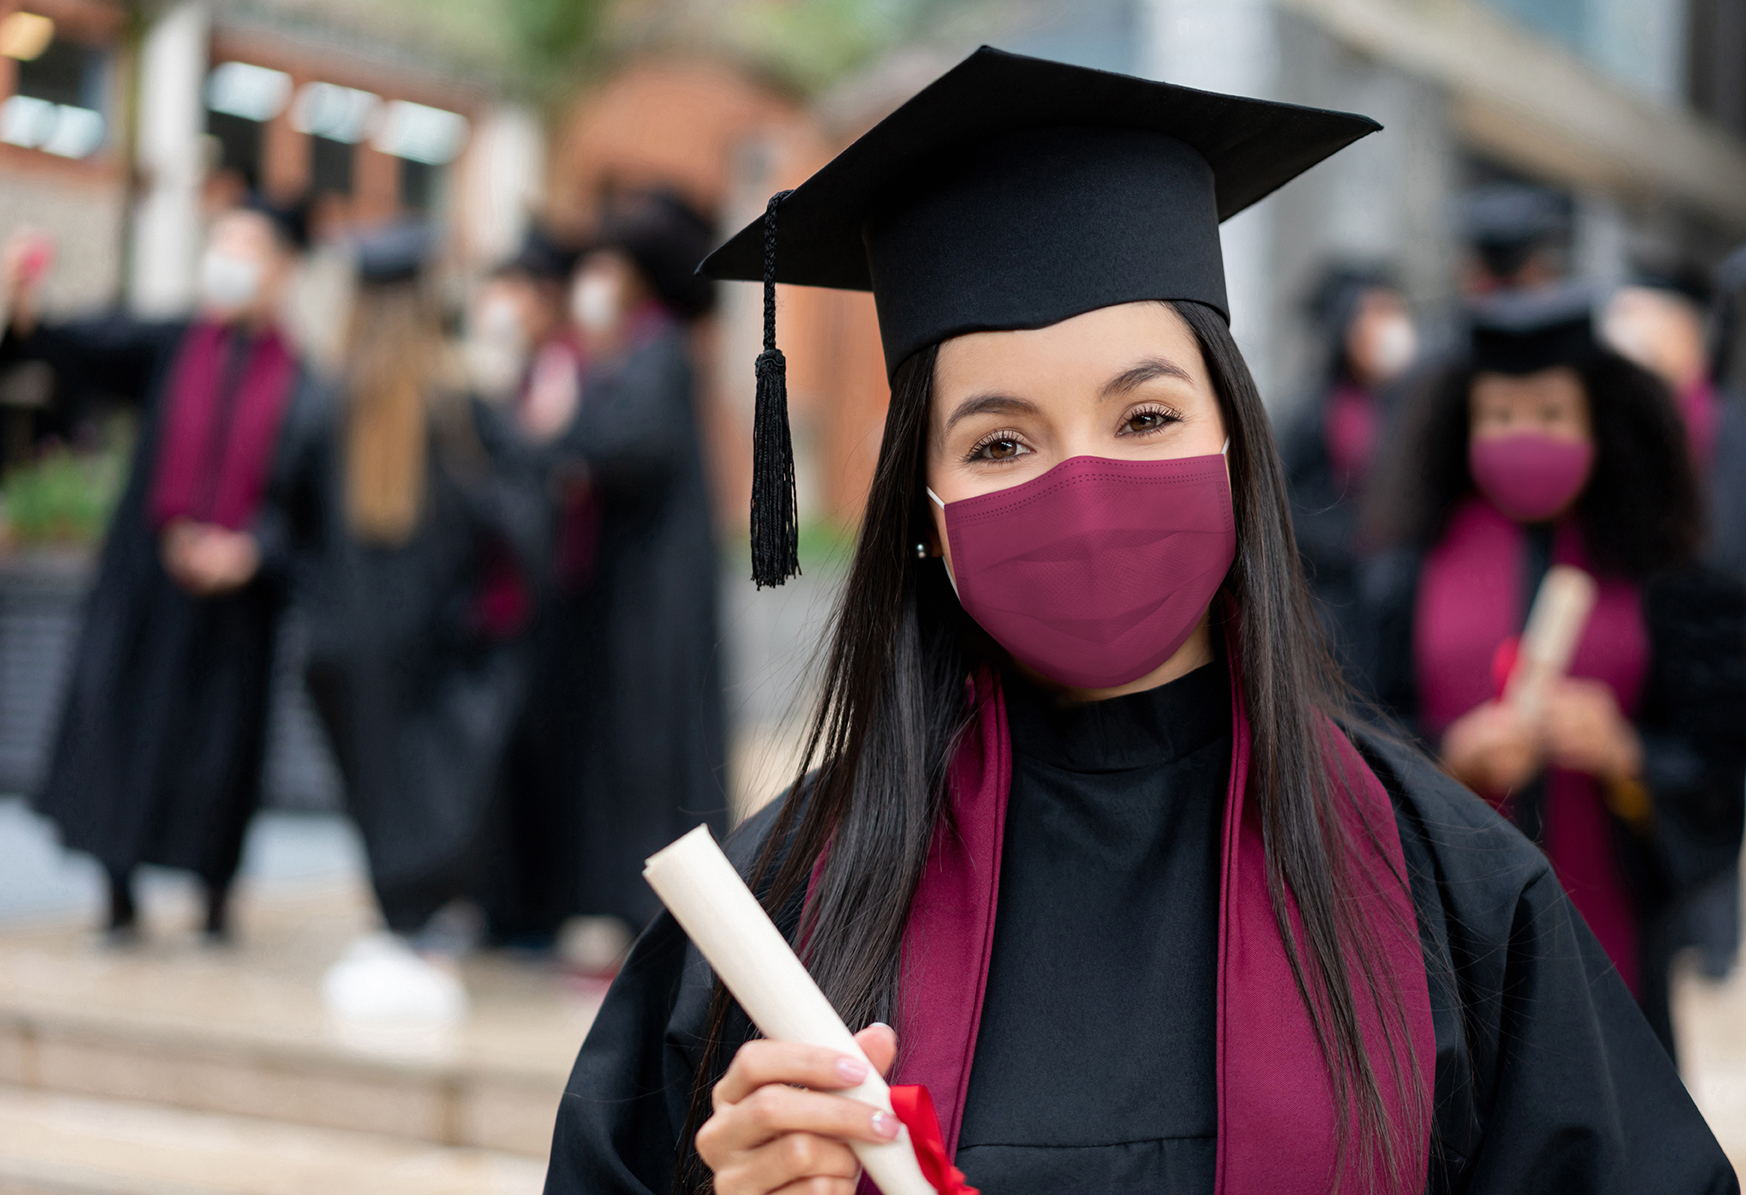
418,601
1327,449
633,672
525,356
1661,322
158,757
1515,236
1544,448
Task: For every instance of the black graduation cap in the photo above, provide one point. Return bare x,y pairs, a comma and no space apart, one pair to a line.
394,253
544,255
1012,192
1525,331
1507,222
289,217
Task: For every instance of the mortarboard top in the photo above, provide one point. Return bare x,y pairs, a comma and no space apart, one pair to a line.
289,218
395,253
544,256
1012,192
1525,331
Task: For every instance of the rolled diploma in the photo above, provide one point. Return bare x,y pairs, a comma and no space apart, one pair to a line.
1555,623
728,925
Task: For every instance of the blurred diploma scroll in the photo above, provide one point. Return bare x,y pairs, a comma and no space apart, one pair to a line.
725,921
1555,623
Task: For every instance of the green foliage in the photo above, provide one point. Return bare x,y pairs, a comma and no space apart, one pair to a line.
63,498
815,41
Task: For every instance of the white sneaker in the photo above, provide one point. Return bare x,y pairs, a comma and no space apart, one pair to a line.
381,979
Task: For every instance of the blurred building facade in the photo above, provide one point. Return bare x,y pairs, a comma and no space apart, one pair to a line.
120,121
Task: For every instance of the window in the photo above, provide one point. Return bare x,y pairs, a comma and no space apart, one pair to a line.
330,166
240,98
58,104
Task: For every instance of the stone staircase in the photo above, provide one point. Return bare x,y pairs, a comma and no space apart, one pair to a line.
172,1068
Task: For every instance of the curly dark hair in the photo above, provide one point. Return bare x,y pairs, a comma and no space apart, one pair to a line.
1641,512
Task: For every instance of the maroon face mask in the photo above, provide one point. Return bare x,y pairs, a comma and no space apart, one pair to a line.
1096,572
1530,476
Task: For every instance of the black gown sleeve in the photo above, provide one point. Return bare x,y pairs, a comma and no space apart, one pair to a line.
635,426
622,1118
1383,668
1692,721
291,518
1548,1077
112,354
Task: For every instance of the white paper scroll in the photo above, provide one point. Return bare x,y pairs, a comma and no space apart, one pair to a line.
1555,623
725,921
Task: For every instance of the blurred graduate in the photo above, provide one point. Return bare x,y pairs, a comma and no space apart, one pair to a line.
629,694
159,752
1543,449
1093,849
419,603
1327,450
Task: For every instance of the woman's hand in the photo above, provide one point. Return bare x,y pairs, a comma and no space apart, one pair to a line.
1586,732
768,1135
24,260
1492,749
205,559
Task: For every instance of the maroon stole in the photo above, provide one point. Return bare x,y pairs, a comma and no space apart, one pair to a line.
1277,1117
214,456
1469,604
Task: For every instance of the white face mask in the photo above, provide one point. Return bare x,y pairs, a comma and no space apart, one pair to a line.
228,282
496,348
594,302
1396,344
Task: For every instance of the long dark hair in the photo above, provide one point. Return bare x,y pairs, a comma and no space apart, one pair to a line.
1640,511
894,707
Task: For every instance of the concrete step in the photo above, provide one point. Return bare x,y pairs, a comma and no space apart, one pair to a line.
242,1031
53,1144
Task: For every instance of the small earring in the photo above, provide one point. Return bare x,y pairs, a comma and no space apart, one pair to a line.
921,551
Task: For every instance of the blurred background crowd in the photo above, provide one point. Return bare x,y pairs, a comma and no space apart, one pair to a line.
374,462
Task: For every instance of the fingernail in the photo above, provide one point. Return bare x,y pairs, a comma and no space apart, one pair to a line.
885,1124
883,1025
853,1070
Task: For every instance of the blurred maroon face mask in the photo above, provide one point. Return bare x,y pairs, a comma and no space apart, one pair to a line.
1096,572
1530,476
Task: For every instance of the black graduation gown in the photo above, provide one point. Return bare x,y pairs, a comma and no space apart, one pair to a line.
625,711
653,743
1726,483
417,696
161,740
1324,517
1109,887
1547,1077
1691,719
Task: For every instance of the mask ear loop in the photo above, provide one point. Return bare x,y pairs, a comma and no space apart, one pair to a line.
948,567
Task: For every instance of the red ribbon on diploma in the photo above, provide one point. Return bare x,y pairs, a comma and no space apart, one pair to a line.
915,1108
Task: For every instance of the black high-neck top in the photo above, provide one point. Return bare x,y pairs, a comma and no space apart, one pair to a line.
1095,1059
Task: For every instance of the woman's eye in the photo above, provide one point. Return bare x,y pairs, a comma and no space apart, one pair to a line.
1141,422
1001,446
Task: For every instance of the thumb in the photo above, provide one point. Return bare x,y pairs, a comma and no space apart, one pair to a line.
879,1042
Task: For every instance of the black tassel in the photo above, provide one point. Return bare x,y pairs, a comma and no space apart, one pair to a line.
775,523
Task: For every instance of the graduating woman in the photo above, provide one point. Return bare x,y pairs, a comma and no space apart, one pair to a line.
1327,448
1543,449
164,727
1088,853
417,664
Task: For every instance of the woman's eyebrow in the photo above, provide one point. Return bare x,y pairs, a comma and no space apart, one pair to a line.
985,404
1139,375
